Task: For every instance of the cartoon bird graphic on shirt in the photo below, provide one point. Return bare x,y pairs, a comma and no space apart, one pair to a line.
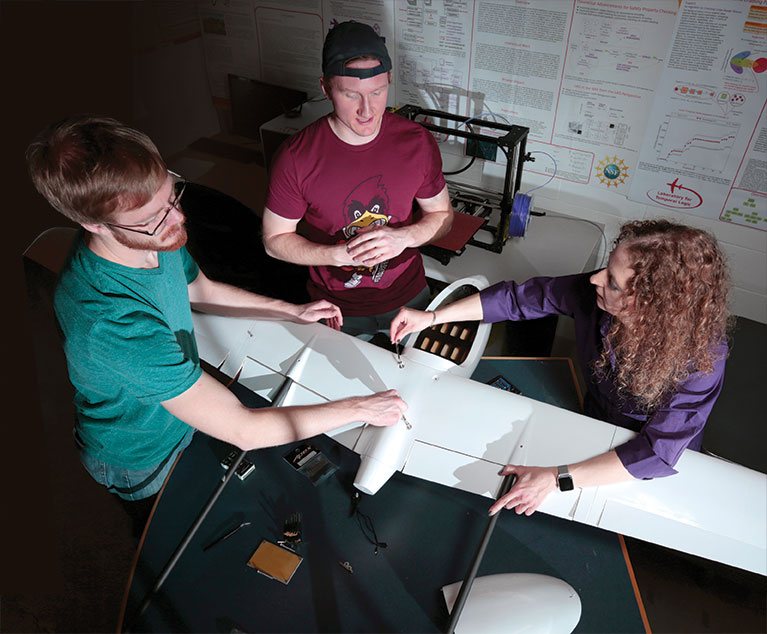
365,208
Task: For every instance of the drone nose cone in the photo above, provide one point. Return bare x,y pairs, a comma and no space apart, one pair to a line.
372,475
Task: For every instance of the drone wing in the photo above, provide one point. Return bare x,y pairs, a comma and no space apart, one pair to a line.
460,433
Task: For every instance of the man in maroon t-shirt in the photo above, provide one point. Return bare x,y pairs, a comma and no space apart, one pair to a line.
353,177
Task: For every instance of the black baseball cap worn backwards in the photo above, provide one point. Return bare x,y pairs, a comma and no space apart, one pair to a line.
348,41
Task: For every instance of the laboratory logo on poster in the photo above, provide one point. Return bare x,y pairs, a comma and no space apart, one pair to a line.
676,196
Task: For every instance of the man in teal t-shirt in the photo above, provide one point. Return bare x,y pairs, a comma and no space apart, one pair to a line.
129,346
124,307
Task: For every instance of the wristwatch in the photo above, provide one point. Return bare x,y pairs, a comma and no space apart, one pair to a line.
564,479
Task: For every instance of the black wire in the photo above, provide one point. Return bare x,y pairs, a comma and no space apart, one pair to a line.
463,169
368,523
469,164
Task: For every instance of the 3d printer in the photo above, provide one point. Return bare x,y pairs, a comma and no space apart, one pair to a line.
513,209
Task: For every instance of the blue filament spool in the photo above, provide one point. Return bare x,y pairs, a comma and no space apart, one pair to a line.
520,215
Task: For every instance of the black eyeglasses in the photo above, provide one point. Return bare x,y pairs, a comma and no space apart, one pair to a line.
179,185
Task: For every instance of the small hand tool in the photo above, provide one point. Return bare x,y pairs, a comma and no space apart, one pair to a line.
347,566
225,536
399,356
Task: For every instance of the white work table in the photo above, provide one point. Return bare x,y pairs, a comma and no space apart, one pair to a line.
553,245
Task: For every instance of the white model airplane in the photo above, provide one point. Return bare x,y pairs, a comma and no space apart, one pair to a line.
461,432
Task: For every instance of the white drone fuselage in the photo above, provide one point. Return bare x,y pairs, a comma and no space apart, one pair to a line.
460,432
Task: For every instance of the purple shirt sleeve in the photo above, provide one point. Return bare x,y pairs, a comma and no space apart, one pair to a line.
537,297
671,429
675,426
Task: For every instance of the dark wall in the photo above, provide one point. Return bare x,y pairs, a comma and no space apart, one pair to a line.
58,58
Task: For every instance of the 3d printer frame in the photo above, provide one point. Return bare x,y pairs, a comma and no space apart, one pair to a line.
513,144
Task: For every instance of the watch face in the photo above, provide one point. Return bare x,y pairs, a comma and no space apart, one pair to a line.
565,482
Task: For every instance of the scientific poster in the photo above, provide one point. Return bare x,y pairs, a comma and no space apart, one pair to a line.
162,24
290,44
432,55
746,203
229,40
656,100
706,113
518,54
615,58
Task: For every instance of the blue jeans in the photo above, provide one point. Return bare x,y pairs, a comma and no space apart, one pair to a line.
365,327
130,484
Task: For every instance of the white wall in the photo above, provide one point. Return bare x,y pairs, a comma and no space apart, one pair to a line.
171,96
452,49
746,248
173,104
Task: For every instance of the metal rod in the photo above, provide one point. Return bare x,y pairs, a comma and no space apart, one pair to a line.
468,186
471,574
513,130
185,541
278,400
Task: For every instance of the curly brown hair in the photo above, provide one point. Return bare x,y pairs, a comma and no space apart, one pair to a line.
680,313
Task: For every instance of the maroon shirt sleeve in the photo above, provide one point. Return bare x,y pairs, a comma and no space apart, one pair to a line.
284,196
434,179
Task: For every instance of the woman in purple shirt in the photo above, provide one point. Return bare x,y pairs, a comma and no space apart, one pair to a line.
651,336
